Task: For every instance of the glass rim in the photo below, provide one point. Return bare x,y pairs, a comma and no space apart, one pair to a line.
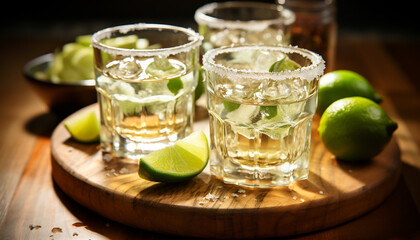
313,71
193,37
201,16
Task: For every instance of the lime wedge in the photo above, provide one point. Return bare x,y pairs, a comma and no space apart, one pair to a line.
128,42
284,64
185,159
84,128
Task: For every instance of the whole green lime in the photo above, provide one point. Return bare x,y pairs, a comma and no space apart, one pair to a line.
343,83
355,129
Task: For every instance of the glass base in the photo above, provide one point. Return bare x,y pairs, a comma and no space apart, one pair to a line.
123,148
283,174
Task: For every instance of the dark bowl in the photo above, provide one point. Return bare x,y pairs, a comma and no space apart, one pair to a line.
61,98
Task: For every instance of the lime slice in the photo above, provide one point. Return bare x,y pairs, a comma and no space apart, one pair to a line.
174,85
84,128
84,40
284,64
128,42
185,159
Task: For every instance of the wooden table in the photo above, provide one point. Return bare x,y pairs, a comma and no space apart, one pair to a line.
33,207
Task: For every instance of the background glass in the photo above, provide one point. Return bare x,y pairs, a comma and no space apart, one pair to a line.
315,27
228,23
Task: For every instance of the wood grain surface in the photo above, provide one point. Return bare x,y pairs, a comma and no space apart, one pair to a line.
335,192
33,206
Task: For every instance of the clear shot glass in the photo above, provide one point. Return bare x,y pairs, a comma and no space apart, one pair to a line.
260,120
146,75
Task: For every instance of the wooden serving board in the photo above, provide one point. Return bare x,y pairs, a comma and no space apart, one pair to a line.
204,206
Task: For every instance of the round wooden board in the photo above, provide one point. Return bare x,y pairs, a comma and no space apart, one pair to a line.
204,206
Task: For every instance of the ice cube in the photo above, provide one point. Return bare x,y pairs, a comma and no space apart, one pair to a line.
225,37
274,129
272,90
124,88
127,104
162,68
268,36
156,88
290,112
263,59
128,68
245,114
159,105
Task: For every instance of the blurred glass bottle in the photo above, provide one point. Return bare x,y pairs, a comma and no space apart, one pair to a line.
315,27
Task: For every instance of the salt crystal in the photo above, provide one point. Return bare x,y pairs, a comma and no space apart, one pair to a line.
308,73
294,197
235,195
107,158
193,37
321,192
241,191
302,200
209,197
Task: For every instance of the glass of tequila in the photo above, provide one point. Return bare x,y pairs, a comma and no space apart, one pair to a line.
145,78
227,23
260,119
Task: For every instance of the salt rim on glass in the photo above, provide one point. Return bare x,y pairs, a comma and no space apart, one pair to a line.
193,37
201,16
308,73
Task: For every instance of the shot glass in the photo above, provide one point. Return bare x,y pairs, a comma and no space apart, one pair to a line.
146,75
227,23
260,120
